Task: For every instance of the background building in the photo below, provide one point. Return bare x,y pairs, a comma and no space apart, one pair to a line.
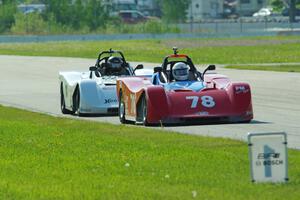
211,9
203,9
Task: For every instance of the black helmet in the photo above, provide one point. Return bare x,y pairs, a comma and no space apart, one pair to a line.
115,63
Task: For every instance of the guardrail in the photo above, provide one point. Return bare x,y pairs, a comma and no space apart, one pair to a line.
240,26
50,38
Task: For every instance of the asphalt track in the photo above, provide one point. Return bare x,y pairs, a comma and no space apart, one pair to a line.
32,83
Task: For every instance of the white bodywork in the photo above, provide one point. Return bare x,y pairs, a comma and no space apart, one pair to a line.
97,94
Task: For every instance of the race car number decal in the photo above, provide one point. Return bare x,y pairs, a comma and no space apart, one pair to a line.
207,101
194,99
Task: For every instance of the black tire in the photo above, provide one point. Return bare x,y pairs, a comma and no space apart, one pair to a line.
144,111
62,101
246,122
122,114
76,102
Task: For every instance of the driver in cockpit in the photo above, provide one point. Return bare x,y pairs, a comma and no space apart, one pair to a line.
180,71
114,67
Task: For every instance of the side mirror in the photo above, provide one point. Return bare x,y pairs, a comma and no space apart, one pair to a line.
93,68
211,67
157,69
140,66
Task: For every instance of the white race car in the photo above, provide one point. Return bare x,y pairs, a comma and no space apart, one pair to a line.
94,92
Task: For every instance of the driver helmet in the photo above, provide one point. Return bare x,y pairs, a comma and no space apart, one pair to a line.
180,71
115,63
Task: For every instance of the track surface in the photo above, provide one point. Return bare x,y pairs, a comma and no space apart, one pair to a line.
32,83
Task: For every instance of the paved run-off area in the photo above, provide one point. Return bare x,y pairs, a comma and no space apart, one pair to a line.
32,83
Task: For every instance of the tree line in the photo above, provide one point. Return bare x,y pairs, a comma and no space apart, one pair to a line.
292,5
88,16
76,16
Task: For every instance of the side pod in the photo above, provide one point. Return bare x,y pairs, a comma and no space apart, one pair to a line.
157,98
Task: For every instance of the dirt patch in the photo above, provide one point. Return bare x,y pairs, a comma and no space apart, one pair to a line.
224,43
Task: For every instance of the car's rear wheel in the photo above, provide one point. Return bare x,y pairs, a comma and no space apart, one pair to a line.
62,101
122,114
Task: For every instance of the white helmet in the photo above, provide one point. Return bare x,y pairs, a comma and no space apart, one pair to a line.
180,71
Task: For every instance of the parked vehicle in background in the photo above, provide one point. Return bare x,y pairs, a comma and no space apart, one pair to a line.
264,12
230,9
113,7
30,8
132,16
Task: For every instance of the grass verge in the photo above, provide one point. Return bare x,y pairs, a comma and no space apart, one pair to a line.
277,68
44,157
209,51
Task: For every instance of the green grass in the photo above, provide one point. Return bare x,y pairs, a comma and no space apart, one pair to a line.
44,157
223,51
277,68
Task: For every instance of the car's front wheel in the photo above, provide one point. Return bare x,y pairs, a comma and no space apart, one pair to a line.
76,102
62,101
144,111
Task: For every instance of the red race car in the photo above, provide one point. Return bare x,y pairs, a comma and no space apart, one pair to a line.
178,93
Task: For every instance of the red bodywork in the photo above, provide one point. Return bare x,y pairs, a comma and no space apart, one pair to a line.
221,99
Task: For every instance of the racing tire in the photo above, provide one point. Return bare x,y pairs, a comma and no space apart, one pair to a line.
144,111
76,102
246,122
62,102
122,114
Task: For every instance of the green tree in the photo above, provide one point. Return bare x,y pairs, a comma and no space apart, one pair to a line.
31,23
77,15
174,10
61,10
6,2
277,5
96,17
291,4
7,10
292,10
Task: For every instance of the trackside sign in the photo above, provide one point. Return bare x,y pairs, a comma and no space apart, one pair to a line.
268,157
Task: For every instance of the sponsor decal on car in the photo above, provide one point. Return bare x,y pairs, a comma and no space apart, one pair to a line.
241,89
110,87
109,101
203,113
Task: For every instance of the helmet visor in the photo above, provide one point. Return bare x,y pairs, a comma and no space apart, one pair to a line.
181,72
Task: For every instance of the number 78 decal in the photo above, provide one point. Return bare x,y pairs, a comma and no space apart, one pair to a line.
207,101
